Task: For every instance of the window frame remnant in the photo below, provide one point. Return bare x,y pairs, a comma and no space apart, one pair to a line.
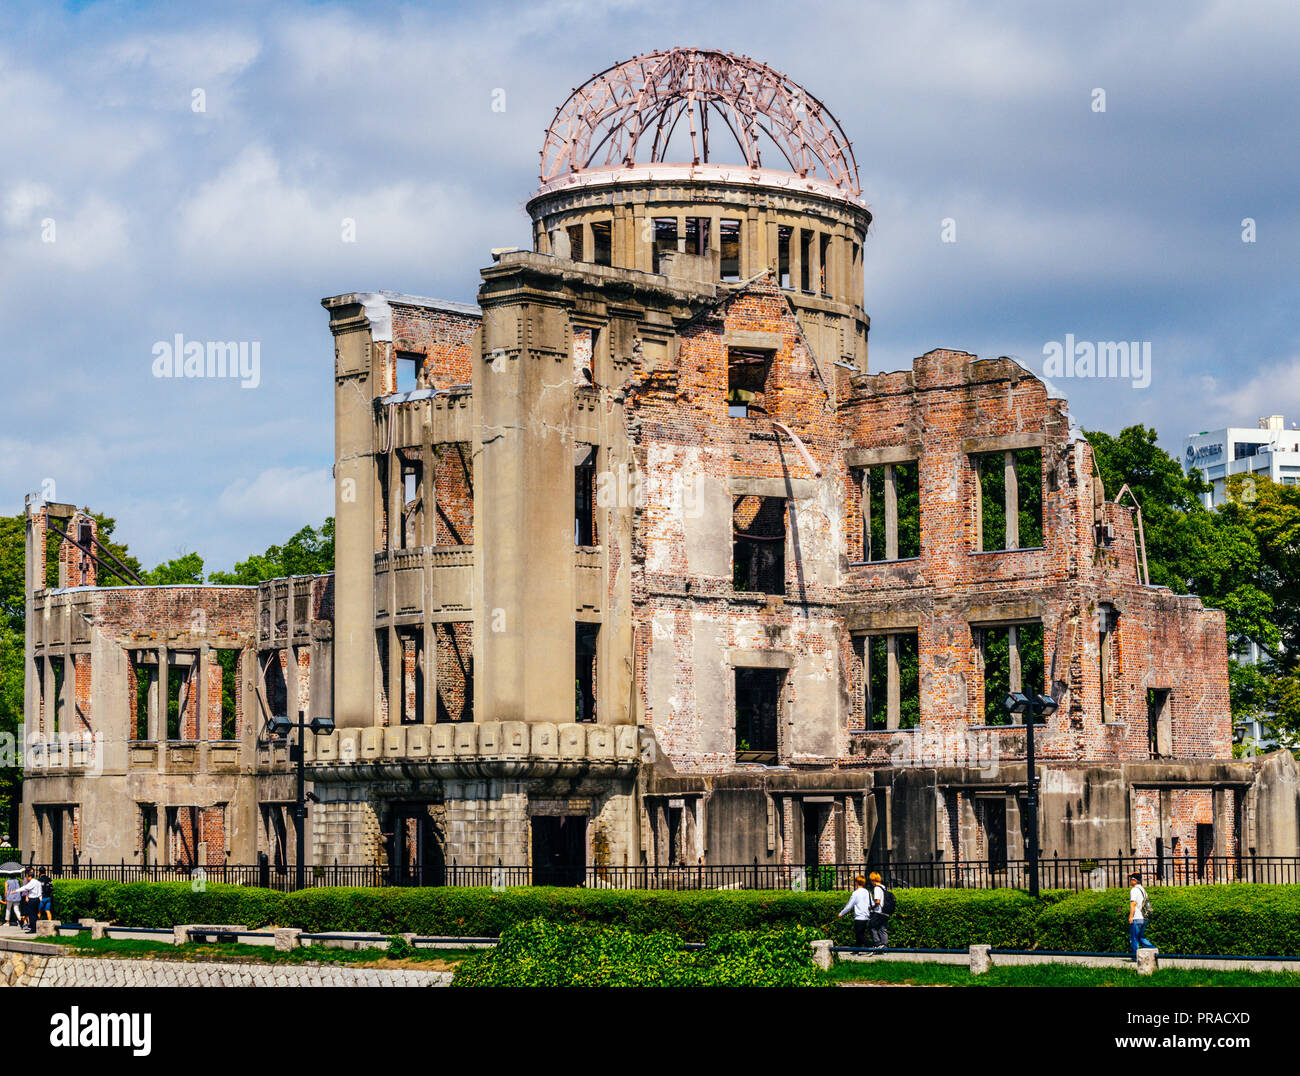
759,705
1018,474
1024,643
757,559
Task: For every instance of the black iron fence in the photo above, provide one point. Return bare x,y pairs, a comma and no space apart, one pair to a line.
1054,873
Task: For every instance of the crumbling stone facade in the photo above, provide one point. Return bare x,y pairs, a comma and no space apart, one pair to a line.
637,564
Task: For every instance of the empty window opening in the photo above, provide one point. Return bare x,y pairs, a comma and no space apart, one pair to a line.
805,259
274,684
758,708
407,377
412,640
823,271
1160,721
783,254
455,680
585,645
145,678
584,351
758,545
697,235
411,532
1011,658
747,373
890,499
453,484
55,710
575,242
1107,631
992,813
1204,846
181,699
891,680
665,240
602,244
228,661
1009,499
729,243
584,495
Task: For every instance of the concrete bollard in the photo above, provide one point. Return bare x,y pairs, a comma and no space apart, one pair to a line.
46,928
180,933
96,930
286,938
1146,960
980,960
822,953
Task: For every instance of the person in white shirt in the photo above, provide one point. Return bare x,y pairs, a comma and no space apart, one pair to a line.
30,895
1137,916
860,902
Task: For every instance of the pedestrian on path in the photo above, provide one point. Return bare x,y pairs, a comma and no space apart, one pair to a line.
882,907
47,895
12,885
860,903
1139,911
30,895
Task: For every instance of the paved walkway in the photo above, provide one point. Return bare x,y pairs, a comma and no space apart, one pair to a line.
91,971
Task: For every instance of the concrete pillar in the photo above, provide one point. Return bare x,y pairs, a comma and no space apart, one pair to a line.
822,955
158,710
523,505
357,363
893,700
1146,961
1012,500
891,513
286,938
980,959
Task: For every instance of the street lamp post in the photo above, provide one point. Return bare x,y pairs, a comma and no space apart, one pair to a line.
1030,706
282,726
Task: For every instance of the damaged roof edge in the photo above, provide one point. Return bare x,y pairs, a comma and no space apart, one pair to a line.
378,306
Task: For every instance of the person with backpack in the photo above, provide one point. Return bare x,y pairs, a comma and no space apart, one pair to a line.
47,895
882,907
1139,911
860,902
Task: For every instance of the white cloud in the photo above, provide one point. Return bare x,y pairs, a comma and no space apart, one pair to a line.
293,496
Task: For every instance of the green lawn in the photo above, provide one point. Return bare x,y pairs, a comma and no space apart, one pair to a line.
233,952
1050,975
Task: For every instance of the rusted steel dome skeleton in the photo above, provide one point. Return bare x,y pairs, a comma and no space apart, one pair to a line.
609,119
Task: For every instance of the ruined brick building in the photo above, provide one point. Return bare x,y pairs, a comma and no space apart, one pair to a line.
636,563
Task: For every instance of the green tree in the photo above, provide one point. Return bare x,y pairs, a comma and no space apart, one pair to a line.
309,552
1242,557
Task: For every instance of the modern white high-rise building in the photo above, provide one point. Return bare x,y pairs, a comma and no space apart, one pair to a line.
1269,450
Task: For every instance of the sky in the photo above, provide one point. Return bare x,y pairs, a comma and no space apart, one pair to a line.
187,169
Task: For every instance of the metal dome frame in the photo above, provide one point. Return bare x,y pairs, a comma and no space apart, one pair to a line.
611,114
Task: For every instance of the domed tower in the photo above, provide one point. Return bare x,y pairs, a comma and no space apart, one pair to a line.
722,163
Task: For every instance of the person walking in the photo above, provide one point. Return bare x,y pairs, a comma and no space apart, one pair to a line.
12,885
46,910
1139,911
30,895
860,903
882,906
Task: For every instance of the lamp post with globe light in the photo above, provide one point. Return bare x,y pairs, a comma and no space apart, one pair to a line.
1030,706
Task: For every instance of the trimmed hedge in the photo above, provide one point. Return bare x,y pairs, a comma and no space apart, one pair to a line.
1235,920
1246,920
544,953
